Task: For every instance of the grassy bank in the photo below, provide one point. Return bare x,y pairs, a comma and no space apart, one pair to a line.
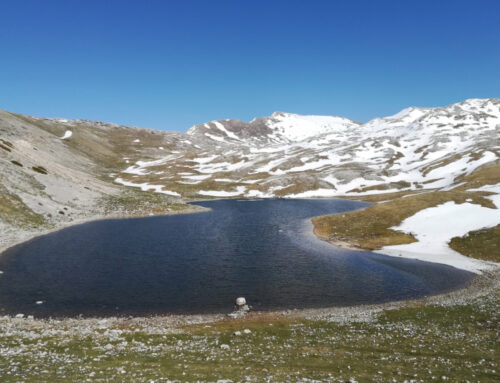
482,244
369,229
134,202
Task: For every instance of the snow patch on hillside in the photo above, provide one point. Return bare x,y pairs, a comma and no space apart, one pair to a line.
213,137
225,131
67,134
145,187
220,193
436,226
296,127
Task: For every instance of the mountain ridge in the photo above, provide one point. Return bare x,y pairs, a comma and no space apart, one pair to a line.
328,145
291,155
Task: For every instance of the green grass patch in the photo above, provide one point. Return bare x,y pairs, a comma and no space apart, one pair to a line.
482,244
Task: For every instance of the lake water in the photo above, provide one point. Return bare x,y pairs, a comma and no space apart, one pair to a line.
263,250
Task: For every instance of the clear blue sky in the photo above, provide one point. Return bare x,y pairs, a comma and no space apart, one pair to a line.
171,64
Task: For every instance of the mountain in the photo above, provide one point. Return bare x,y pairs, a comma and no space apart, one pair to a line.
279,128
288,155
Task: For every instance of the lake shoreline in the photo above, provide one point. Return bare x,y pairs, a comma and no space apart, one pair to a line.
478,283
482,285
481,268
28,235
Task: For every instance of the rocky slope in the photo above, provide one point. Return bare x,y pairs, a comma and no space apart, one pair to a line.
55,172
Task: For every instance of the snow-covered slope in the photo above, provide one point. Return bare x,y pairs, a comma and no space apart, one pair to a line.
278,128
289,155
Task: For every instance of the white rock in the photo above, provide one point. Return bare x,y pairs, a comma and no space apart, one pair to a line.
39,302
237,333
224,346
247,331
241,301
20,316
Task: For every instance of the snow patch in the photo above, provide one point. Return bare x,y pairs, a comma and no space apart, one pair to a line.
67,134
296,127
227,132
436,226
145,187
200,177
314,193
216,138
219,193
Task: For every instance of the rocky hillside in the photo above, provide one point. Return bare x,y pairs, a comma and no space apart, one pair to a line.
55,171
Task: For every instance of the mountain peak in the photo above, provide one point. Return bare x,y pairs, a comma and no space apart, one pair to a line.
280,114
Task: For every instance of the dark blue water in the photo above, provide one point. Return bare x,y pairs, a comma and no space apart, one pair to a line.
199,263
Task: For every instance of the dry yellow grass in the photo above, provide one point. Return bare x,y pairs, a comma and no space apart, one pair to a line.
482,244
369,229
15,212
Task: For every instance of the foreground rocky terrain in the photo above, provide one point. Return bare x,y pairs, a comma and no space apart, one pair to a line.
452,338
